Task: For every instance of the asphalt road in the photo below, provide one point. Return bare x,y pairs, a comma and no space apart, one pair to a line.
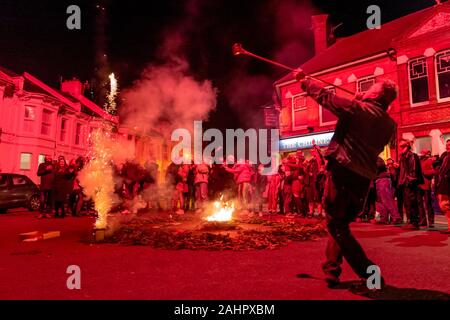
416,265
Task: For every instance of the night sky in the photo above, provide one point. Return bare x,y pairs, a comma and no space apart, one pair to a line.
34,38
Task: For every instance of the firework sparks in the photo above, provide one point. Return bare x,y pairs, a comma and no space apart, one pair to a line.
111,105
97,176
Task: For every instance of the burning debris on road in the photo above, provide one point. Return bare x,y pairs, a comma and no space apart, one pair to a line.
191,232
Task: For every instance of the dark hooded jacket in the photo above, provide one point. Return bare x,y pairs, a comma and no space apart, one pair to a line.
363,129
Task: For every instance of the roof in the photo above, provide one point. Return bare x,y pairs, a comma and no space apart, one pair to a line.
366,43
8,72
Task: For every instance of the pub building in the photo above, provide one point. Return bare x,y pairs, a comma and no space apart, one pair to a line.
413,51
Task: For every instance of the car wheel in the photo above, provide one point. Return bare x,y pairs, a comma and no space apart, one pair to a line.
35,203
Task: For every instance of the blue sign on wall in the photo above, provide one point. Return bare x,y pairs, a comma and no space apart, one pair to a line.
305,142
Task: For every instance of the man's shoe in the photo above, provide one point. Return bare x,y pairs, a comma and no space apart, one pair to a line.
332,281
48,216
397,222
40,216
445,231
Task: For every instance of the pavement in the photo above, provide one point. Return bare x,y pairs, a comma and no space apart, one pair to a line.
415,264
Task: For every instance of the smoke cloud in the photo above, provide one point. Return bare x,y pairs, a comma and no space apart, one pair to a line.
166,97
292,38
293,31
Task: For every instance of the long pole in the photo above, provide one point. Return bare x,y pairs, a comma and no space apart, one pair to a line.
243,51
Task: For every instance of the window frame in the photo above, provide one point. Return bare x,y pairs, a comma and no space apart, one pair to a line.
49,124
438,94
27,120
79,134
423,103
293,110
365,78
66,121
321,123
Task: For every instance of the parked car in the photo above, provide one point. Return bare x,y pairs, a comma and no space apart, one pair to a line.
17,191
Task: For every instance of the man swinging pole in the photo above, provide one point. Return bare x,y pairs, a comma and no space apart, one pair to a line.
363,129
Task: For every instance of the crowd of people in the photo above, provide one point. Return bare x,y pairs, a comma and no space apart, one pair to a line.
61,190
414,186
418,183
295,189
60,187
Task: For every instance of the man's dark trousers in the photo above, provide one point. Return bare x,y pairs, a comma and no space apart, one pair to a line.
345,193
411,202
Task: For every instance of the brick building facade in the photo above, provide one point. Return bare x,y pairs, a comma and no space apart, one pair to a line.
413,51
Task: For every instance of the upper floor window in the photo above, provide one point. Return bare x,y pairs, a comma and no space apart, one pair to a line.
62,133
418,80
78,134
46,124
365,83
299,112
326,116
443,75
29,119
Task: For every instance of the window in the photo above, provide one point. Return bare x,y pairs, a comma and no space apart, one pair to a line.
326,116
443,75
25,161
3,180
46,122
422,143
62,134
29,119
78,134
365,83
418,80
41,159
299,112
19,181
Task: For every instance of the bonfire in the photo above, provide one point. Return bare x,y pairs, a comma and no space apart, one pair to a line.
223,211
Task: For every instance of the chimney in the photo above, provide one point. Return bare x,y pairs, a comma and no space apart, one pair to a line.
72,87
319,25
